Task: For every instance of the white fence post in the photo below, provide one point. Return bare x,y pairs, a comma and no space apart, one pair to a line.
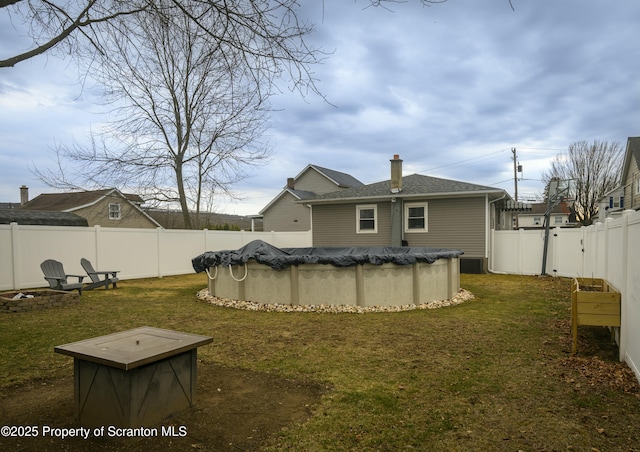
521,252
97,244
15,255
159,251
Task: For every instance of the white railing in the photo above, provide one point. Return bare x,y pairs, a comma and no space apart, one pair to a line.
609,250
136,253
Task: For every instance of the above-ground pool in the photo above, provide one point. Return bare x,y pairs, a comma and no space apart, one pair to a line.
359,276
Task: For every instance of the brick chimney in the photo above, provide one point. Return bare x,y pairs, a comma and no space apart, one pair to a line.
396,174
290,183
24,195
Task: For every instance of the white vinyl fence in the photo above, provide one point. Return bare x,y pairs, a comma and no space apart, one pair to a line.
136,253
609,250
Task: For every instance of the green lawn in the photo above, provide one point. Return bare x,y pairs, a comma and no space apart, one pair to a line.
493,373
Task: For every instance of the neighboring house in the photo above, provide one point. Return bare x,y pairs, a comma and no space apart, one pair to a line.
611,205
562,215
412,210
630,180
627,195
286,212
510,210
108,208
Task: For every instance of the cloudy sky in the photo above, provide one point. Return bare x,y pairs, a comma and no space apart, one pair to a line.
451,88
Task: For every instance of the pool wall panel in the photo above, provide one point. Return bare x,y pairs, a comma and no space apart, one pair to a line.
363,285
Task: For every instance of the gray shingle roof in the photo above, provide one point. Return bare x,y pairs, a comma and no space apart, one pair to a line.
301,194
36,217
342,179
413,185
71,200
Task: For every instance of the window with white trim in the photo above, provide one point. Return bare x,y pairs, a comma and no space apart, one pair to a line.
558,219
367,219
114,211
415,217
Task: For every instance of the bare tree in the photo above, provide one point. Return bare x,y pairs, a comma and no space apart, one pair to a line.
189,114
267,35
595,169
268,28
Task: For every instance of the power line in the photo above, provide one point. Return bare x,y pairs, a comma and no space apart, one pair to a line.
502,181
460,162
542,149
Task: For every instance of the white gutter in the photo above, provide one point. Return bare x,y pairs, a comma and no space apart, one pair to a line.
403,195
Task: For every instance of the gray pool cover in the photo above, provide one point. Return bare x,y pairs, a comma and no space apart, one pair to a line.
279,258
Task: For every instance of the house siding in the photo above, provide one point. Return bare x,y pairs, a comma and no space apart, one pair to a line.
286,215
454,223
281,215
335,225
631,195
314,182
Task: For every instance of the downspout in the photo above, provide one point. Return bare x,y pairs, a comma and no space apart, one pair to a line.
396,222
310,221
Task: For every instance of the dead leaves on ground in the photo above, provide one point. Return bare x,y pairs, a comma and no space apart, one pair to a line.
596,372
602,374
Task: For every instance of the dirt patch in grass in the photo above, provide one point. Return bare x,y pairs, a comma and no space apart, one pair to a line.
236,409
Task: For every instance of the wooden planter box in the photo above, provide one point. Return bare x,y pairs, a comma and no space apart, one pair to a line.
594,302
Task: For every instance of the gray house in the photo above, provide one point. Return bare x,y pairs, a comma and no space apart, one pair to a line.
412,210
612,204
288,212
631,174
627,194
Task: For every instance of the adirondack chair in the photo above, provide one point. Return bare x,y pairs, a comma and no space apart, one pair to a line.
57,278
109,277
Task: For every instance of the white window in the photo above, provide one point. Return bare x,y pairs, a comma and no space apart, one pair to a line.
638,186
537,220
558,219
114,211
415,217
367,219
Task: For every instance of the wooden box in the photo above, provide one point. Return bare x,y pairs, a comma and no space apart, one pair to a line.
594,302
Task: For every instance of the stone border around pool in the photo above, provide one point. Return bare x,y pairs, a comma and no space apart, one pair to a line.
203,295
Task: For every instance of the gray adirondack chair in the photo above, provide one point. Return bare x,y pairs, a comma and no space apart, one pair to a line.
58,279
108,277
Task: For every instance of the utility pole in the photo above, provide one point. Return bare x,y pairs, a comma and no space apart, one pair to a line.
515,171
